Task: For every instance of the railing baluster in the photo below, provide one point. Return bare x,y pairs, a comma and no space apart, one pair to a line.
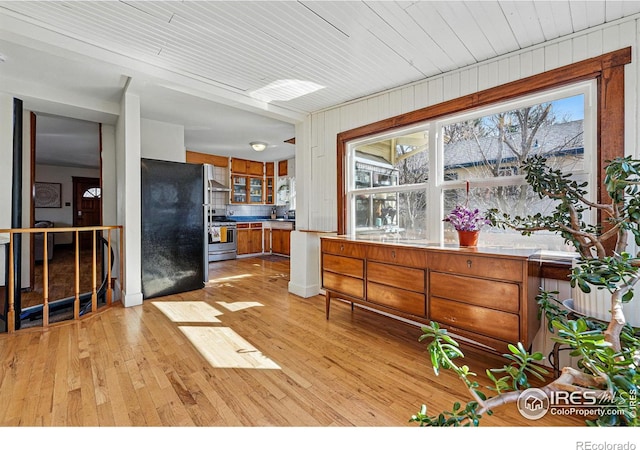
121,269
94,295
45,283
11,313
109,289
76,302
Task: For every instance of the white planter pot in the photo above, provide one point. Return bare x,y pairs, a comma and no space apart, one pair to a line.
597,304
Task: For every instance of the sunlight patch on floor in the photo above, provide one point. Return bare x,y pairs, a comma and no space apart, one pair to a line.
238,306
224,348
189,311
231,278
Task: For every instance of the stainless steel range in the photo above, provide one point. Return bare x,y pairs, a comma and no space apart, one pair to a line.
220,232
222,238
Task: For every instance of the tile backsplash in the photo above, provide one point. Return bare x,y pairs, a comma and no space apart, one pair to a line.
255,210
220,199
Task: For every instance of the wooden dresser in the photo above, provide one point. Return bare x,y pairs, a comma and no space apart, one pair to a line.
482,295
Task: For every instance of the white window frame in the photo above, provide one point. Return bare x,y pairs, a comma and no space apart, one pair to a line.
436,184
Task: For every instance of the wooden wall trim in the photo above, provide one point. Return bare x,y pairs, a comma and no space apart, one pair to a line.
607,70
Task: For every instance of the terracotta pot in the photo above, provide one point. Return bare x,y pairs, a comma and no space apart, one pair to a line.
468,238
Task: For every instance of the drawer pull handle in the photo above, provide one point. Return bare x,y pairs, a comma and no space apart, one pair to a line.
393,254
469,263
341,247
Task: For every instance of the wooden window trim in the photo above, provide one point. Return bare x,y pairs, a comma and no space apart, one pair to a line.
607,70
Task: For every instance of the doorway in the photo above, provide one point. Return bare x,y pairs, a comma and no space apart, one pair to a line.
87,206
62,149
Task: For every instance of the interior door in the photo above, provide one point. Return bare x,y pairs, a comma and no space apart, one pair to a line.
87,210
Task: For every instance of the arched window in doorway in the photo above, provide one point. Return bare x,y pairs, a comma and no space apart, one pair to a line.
93,192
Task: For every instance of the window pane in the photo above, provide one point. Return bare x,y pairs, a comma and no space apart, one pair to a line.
93,192
514,199
402,214
495,145
390,162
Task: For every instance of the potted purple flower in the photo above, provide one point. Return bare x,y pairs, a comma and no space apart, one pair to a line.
467,223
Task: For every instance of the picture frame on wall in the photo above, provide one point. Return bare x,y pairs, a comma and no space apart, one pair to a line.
47,195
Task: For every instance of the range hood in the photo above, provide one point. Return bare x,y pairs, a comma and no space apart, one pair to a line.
217,187
213,185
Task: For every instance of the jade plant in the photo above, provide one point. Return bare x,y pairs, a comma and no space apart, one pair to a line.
608,353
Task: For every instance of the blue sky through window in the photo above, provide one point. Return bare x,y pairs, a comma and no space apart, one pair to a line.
571,107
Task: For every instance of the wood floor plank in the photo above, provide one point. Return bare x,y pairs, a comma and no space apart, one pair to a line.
141,367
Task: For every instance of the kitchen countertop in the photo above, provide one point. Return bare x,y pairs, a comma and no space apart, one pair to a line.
259,219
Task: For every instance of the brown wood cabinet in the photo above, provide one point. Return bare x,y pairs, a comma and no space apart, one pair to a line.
205,158
249,184
281,241
282,168
269,169
249,238
343,270
486,297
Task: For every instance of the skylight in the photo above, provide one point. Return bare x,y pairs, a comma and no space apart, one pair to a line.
285,90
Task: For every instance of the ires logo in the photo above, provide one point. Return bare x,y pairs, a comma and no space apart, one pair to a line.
535,403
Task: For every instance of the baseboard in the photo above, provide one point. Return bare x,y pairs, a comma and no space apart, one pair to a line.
304,291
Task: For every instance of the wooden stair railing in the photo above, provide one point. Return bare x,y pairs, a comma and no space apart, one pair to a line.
11,312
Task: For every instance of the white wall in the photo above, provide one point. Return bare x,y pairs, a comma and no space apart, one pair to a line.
63,216
161,140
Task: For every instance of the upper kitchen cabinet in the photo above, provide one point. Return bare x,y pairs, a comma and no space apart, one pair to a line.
247,167
285,187
248,181
205,158
287,167
282,168
269,183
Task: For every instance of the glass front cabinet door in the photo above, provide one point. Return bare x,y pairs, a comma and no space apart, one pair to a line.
255,190
239,186
269,198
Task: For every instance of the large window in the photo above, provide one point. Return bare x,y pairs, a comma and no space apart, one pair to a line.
602,142
401,184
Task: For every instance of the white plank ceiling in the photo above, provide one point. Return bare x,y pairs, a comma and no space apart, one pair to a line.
226,50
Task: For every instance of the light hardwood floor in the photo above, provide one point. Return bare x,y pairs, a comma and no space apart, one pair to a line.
240,352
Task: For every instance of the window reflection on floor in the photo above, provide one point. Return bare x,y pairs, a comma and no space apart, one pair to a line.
188,311
220,346
238,306
223,347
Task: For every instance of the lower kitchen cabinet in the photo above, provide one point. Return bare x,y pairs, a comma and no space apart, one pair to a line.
249,238
488,298
281,241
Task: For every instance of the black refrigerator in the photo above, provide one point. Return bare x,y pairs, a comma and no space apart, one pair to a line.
172,227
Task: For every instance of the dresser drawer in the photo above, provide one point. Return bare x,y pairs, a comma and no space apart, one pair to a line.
489,322
400,299
493,294
343,248
341,264
492,267
397,255
398,276
343,284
